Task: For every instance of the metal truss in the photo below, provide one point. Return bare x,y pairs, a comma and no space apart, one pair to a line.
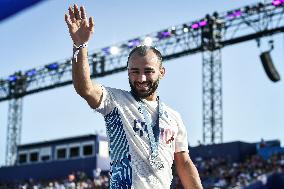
13,130
212,97
238,25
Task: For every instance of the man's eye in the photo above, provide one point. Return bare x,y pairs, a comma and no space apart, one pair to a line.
149,71
135,72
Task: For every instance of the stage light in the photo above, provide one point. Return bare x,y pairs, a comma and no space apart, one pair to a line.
277,2
173,30
163,35
248,10
238,13
230,14
114,50
195,26
133,43
53,66
268,66
148,41
202,23
94,57
234,14
31,73
185,28
106,50
12,78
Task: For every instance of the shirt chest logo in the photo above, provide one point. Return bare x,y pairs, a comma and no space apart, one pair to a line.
167,135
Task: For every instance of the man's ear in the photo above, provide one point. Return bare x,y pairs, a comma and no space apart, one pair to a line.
162,72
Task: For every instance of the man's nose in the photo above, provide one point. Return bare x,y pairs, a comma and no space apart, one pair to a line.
142,78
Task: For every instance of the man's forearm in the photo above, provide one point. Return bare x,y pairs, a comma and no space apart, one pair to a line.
187,171
81,72
191,178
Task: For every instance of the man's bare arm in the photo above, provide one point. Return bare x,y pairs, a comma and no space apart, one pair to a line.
187,171
81,30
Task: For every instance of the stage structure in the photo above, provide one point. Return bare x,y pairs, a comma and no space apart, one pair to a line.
207,36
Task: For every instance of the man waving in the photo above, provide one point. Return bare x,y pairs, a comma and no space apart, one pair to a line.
145,135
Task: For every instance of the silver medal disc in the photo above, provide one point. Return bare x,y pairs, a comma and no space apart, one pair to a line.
156,162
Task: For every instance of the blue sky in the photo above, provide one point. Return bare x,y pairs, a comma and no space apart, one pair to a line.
252,105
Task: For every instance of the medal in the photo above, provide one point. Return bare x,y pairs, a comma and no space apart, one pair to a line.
153,133
156,162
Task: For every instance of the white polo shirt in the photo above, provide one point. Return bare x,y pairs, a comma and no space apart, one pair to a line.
129,143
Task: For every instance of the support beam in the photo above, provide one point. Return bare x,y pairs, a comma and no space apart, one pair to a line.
212,97
13,130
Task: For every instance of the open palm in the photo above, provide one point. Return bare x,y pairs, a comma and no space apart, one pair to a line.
80,28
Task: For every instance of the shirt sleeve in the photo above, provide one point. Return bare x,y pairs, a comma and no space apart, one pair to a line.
107,103
181,143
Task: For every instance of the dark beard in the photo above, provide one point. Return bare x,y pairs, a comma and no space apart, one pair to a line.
152,88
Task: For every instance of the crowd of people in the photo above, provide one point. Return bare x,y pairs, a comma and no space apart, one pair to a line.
78,180
214,173
219,173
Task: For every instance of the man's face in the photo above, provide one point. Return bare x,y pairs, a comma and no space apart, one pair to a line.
144,73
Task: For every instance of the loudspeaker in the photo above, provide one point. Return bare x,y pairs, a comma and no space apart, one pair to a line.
268,66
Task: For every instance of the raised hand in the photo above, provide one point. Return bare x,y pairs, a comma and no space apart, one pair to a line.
80,28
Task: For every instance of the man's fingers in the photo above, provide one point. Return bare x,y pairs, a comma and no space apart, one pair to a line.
91,24
68,21
76,12
83,12
71,13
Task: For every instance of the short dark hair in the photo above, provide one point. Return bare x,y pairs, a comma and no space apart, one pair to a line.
142,51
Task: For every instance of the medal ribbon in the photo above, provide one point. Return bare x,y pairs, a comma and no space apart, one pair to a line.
153,131
153,127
